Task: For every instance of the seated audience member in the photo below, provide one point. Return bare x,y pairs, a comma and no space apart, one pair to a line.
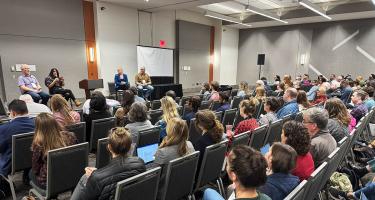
55,84
322,143
305,80
136,97
127,101
20,123
260,94
280,89
121,80
34,108
258,84
214,96
169,107
270,106
247,111
266,86
28,84
98,110
346,91
224,101
173,146
48,136
277,80
296,135
287,80
324,83
360,81
281,159
302,101
321,96
212,131
311,94
339,118
243,89
62,111
109,102
193,105
360,108
138,120
290,106
143,82
101,183
297,82
335,81
246,168
171,94
205,91
367,190
369,102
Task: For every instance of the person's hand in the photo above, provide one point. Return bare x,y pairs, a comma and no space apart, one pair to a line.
56,79
89,170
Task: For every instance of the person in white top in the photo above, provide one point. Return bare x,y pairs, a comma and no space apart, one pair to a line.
110,102
34,108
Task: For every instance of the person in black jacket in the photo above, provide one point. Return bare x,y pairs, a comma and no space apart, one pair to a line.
101,183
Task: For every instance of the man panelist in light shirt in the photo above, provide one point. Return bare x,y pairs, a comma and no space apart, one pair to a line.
143,82
29,85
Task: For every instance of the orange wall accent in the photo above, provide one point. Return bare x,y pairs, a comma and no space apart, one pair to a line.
212,54
88,16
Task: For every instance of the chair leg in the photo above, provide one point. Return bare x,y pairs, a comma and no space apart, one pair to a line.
219,186
222,188
11,184
39,196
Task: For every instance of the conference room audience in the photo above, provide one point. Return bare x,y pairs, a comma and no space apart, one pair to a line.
143,83
369,102
260,94
296,135
324,83
101,183
277,80
171,94
246,168
20,123
136,97
360,108
305,80
48,136
335,81
281,159
339,118
280,89
121,113
111,103
290,103
302,101
169,108
138,119
243,89
259,83
224,102
34,108
205,91
55,84
346,91
321,96
322,143
247,112
311,94
266,86
121,80
214,95
287,80
192,107
98,110
174,145
62,111
270,106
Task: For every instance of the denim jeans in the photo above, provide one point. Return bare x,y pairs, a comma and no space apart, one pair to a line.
210,194
145,91
37,96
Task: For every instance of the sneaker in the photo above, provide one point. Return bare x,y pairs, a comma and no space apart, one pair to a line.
77,103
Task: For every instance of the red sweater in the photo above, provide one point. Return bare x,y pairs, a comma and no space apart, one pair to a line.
246,125
304,167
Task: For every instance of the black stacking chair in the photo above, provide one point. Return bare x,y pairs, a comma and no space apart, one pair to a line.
204,105
155,105
238,118
258,136
298,192
315,179
233,93
99,129
215,105
79,129
148,136
155,115
141,186
236,102
103,156
229,116
194,132
241,139
219,115
274,132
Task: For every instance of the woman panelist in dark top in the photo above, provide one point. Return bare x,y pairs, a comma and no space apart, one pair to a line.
55,84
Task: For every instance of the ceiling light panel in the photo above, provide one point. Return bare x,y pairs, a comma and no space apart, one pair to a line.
315,8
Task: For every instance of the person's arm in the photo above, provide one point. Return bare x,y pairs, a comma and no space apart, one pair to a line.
21,84
38,87
3,139
37,160
117,80
50,83
137,81
148,82
92,190
126,79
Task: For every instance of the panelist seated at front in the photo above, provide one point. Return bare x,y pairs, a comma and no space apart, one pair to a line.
121,80
28,84
143,82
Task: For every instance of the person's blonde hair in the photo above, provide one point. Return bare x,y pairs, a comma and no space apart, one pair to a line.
59,104
244,86
260,93
119,141
169,107
177,134
47,133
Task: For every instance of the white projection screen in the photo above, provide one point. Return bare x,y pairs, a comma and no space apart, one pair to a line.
157,61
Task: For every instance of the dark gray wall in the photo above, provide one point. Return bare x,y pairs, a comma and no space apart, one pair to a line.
284,46
45,33
193,47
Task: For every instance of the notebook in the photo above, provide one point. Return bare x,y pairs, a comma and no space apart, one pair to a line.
265,149
147,153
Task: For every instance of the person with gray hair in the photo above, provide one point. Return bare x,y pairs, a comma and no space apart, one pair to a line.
34,108
291,105
139,120
322,142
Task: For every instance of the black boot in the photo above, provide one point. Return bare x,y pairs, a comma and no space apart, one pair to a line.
337,193
360,171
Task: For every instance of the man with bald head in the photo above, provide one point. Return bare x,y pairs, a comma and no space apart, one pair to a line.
290,106
143,82
28,84
121,80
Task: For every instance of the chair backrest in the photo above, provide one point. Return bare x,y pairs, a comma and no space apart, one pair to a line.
212,163
229,116
332,164
257,137
274,132
114,109
236,102
315,180
79,129
179,185
219,115
258,110
156,104
148,136
343,144
237,119
65,167
194,132
298,192
134,188
204,105
215,105
287,118
21,152
233,92
99,130
241,139
103,156
111,87
299,117
155,115
80,112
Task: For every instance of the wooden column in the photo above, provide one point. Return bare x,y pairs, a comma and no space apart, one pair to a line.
88,16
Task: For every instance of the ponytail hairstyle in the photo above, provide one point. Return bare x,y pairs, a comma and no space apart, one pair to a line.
249,106
59,104
206,120
119,141
177,134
